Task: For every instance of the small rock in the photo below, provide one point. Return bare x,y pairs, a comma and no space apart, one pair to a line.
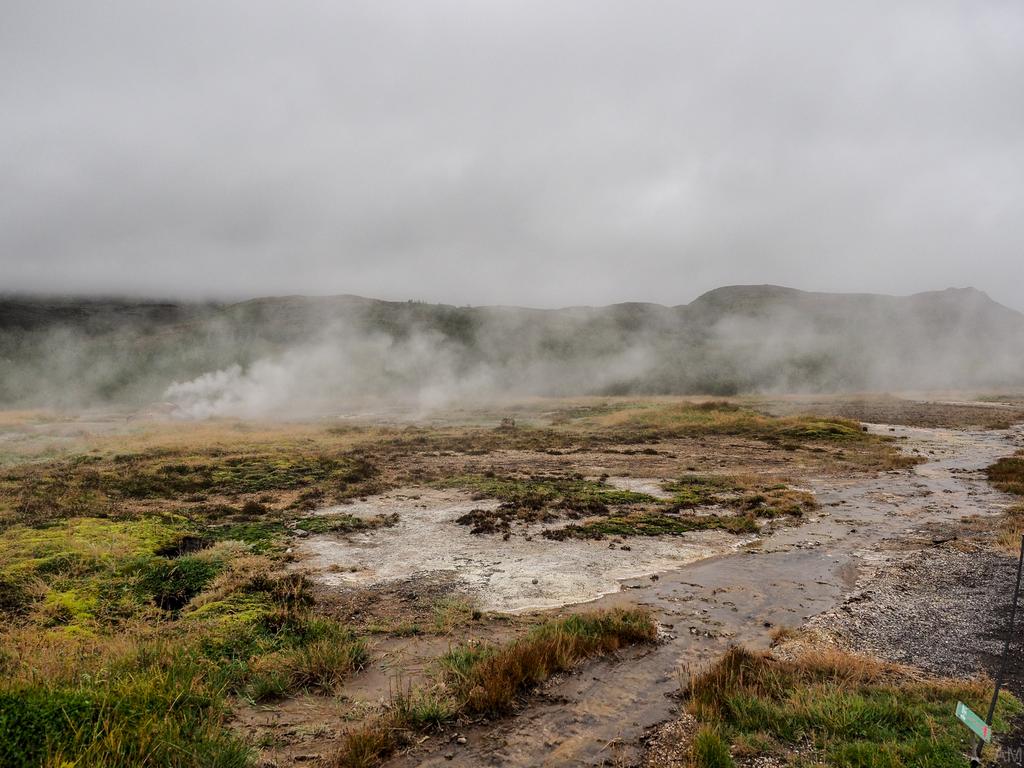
460,740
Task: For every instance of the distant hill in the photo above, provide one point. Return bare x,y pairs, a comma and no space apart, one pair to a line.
280,349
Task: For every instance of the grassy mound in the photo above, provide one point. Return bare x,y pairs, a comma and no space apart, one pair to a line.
828,707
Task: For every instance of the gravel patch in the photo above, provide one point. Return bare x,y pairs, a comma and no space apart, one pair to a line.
943,609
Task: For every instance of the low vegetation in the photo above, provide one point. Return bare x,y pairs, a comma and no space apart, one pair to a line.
654,420
125,639
635,426
345,523
695,503
1007,475
240,475
829,707
158,694
144,589
547,491
488,681
213,486
643,524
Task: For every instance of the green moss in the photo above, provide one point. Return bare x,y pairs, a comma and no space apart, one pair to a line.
344,523
231,476
700,490
171,584
260,536
114,486
655,525
94,541
544,498
88,573
763,500
69,606
572,492
163,705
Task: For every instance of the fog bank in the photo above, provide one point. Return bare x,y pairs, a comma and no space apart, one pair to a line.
296,356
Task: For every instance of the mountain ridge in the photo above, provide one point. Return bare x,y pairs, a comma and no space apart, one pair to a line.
759,290
743,338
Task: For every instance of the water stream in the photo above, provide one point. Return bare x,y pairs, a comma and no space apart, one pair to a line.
597,716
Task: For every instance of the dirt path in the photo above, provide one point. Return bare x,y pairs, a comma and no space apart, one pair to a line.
598,716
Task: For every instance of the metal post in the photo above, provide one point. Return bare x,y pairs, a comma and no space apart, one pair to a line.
976,757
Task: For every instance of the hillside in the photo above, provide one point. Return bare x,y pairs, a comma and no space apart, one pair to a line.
734,339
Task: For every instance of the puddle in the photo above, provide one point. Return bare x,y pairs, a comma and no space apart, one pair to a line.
510,576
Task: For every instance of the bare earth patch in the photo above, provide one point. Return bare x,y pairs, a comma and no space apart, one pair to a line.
522,574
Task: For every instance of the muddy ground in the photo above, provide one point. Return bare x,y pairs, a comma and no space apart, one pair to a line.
899,565
890,559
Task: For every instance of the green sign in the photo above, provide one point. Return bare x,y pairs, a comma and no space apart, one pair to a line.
973,722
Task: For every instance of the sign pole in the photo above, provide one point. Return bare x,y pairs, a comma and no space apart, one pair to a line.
976,757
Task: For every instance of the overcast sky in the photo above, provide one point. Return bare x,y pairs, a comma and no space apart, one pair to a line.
541,153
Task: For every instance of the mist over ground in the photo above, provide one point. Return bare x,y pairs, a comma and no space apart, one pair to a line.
505,154
296,356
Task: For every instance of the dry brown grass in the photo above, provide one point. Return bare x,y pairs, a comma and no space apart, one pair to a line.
238,572
368,745
1011,529
16,418
234,436
488,681
1007,475
491,686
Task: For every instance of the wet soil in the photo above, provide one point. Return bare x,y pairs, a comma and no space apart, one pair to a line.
599,716
525,573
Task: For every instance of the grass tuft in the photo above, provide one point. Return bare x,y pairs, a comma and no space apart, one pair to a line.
343,523
487,681
846,709
710,750
1007,475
